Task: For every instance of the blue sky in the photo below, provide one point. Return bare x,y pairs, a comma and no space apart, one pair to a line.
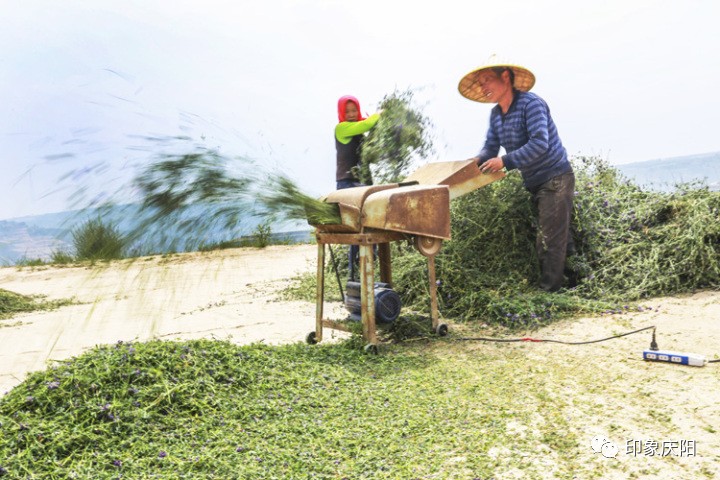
81,83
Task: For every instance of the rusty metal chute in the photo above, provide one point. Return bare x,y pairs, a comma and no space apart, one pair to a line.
461,177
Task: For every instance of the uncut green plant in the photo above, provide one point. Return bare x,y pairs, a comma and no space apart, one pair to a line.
401,137
632,244
638,243
61,257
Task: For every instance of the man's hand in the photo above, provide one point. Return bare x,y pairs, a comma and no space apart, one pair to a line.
493,165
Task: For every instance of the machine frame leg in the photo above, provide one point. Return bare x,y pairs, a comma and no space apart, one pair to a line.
320,297
367,293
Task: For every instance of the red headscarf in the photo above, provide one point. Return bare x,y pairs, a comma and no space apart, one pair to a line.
341,107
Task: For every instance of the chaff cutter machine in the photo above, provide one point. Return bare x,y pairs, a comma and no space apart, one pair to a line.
417,209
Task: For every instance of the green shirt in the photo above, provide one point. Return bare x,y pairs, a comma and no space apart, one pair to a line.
344,131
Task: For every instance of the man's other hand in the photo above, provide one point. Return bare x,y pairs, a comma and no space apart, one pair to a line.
493,165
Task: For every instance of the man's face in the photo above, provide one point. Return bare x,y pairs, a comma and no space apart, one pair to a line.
351,112
493,86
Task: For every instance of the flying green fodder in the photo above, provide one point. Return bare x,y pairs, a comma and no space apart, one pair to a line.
402,135
187,195
184,195
282,198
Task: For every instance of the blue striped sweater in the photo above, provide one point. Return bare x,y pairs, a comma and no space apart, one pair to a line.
530,139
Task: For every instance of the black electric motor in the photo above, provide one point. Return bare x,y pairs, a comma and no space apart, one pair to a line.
387,302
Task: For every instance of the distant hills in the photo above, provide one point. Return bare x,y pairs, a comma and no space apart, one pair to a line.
38,236
27,240
665,174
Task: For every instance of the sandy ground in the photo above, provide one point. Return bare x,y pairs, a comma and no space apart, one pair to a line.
232,294
229,294
661,421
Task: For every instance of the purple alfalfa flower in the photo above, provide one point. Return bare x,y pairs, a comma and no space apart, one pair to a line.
53,385
239,449
117,463
606,203
438,282
3,471
162,454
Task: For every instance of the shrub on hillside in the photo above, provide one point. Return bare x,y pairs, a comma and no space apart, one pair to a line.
61,257
96,240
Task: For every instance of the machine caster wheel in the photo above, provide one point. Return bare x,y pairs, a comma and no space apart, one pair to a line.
428,246
311,339
371,348
441,330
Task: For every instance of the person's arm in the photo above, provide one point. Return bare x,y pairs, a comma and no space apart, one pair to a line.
344,131
536,117
492,145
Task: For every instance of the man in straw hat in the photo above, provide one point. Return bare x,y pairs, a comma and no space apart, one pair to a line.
521,123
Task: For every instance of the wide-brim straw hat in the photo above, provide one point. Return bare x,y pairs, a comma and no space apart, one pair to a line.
470,88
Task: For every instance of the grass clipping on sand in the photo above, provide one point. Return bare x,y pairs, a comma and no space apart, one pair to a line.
12,303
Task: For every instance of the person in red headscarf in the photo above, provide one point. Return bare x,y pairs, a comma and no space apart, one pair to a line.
349,135
348,140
